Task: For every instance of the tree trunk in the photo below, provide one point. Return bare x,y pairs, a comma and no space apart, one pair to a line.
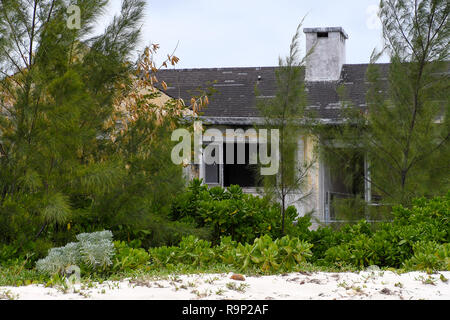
283,211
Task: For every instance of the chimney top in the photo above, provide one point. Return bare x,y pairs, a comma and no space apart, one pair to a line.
326,53
326,29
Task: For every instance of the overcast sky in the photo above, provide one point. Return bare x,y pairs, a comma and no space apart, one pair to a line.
240,33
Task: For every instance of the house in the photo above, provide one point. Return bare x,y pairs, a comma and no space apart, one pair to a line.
233,106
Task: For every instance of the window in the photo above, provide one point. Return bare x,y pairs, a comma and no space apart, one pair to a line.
227,174
243,175
212,174
322,34
212,171
344,185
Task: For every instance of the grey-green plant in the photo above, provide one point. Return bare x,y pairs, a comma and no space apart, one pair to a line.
94,250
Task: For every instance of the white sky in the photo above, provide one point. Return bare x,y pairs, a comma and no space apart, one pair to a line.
240,33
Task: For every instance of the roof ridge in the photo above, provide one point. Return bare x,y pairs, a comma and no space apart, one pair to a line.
255,68
365,64
221,68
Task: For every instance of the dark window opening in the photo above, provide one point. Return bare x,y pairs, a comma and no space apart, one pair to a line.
344,185
212,174
347,175
322,34
243,175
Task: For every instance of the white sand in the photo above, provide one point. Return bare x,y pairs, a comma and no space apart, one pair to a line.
293,286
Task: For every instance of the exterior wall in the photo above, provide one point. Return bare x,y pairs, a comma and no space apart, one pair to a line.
314,180
312,202
158,101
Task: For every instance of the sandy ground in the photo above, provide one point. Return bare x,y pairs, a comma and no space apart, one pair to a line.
292,286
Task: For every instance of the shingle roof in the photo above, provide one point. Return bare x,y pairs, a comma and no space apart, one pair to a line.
234,95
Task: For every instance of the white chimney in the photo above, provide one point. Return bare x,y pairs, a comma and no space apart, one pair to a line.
325,61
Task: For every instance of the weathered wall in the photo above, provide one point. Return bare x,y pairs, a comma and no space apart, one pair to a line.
325,61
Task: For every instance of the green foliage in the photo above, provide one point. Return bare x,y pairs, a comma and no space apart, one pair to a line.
96,249
357,252
429,256
16,222
70,161
417,239
191,251
322,239
395,242
282,254
349,209
327,237
15,274
7,252
58,93
128,258
230,212
264,255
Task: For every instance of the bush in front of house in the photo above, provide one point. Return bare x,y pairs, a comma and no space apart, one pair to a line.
264,255
230,212
93,251
429,255
129,256
417,238
326,237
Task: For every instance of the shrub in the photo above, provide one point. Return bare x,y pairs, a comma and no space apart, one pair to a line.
265,254
325,238
196,252
357,252
7,252
412,232
93,251
230,212
164,256
429,255
96,249
128,258
280,255
191,251
17,223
